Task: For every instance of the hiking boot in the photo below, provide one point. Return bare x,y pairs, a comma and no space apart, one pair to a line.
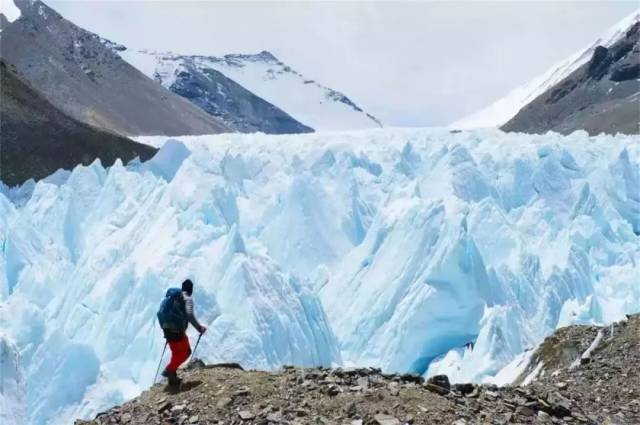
174,381
172,377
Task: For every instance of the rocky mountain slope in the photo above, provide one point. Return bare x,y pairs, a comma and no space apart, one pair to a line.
504,109
220,96
37,138
599,364
603,95
264,76
78,72
571,388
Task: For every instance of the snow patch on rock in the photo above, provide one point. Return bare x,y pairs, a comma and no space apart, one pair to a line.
9,9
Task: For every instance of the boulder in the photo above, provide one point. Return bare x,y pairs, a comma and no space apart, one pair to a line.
441,381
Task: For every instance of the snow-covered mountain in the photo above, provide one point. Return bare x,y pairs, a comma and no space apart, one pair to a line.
220,96
391,248
601,96
502,110
307,101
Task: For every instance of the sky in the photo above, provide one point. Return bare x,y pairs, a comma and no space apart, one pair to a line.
408,63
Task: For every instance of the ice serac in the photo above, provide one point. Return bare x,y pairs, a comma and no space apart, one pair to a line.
502,110
412,250
624,189
117,238
281,100
12,392
396,311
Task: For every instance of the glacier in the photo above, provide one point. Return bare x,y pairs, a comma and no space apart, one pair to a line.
12,388
413,250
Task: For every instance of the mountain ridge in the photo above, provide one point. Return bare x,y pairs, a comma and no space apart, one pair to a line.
222,97
308,102
79,73
505,108
602,95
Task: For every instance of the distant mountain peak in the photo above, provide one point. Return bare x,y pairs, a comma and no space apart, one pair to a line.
213,92
36,8
263,56
263,74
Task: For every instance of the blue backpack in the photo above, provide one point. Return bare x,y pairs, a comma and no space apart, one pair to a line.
172,314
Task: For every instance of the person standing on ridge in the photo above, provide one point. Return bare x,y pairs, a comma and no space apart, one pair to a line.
175,314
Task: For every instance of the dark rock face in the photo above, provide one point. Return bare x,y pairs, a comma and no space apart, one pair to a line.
625,72
599,63
227,100
79,73
38,139
602,96
441,381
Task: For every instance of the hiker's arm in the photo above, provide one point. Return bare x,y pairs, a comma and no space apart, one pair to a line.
188,304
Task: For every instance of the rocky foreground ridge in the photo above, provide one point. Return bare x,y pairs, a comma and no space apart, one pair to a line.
579,375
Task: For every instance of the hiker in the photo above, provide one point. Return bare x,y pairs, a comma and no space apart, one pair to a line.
175,314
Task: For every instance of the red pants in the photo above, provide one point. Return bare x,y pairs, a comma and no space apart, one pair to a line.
180,351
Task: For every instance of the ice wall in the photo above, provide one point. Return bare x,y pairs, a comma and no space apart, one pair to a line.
488,239
12,392
86,263
413,250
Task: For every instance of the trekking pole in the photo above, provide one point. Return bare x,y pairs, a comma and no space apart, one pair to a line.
160,362
193,353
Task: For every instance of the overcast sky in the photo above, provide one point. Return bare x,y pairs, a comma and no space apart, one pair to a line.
409,63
